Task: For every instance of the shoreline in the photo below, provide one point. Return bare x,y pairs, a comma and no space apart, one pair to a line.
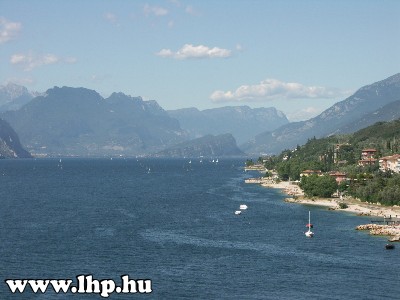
355,206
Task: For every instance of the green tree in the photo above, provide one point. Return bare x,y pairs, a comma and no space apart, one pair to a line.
249,163
318,186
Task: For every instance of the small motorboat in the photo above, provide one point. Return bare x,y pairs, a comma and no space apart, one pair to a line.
238,212
243,206
389,246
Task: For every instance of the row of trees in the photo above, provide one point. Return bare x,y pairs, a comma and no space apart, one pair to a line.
379,187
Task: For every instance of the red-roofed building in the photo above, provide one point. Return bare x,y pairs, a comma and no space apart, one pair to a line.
368,153
339,176
367,157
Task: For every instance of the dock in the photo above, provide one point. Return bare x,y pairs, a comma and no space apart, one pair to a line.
387,220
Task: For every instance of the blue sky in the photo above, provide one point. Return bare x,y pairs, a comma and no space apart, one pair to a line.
298,56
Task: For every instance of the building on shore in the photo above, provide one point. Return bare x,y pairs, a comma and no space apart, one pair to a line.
367,158
339,176
390,163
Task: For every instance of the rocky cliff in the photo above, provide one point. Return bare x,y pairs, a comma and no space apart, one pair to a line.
10,146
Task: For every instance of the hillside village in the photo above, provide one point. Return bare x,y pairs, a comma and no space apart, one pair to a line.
364,165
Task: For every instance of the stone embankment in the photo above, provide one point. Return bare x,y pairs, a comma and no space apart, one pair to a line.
389,230
256,167
259,180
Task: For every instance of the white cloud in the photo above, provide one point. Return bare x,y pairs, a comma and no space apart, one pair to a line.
273,89
8,30
154,10
30,61
190,51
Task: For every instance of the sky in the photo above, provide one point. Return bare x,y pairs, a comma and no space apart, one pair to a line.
298,56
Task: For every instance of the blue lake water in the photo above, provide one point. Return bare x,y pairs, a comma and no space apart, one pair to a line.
175,225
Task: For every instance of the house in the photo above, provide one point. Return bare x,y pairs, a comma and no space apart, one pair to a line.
367,162
368,153
339,176
310,172
390,163
367,157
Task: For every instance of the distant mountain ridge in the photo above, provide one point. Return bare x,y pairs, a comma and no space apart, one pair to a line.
223,145
242,122
389,112
78,121
366,100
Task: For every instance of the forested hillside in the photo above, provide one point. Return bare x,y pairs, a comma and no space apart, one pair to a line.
342,153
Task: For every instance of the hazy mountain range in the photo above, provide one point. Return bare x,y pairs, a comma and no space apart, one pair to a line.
341,117
242,122
77,121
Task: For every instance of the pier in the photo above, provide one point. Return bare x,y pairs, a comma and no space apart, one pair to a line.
387,220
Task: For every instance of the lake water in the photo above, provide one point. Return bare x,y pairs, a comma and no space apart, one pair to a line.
173,222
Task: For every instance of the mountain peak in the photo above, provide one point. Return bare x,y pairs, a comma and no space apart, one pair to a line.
13,96
120,95
72,92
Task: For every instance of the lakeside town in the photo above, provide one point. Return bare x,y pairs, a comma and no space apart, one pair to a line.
385,219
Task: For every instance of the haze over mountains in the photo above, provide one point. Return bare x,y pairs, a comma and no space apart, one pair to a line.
13,96
79,122
370,99
241,121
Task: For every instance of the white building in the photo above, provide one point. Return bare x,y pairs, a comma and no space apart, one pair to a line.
391,163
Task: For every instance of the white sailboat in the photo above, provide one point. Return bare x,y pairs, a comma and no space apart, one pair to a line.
309,233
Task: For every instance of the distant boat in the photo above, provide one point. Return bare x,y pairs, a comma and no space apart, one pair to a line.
190,161
216,160
243,206
309,233
238,212
389,246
